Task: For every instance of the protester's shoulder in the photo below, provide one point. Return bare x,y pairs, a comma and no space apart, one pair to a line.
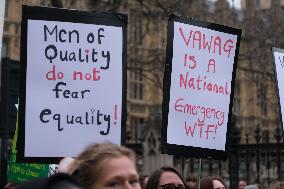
59,179
251,186
33,184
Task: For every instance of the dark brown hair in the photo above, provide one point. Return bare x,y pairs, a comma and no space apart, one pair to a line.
207,182
154,178
191,178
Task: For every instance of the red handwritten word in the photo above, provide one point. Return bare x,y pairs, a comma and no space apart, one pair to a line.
53,74
201,129
201,84
191,59
191,62
201,112
94,75
213,44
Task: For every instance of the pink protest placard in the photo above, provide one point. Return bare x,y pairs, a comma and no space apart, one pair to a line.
278,55
199,75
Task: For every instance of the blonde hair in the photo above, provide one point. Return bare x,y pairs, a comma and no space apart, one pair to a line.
89,163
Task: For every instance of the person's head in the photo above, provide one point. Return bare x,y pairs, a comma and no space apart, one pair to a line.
277,185
191,182
105,165
212,182
242,184
165,178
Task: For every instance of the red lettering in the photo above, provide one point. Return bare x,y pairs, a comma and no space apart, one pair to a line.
208,130
211,63
228,46
51,75
182,81
178,106
216,127
201,84
221,90
204,130
60,75
201,128
226,89
75,74
191,59
206,44
197,37
189,129
191,83
96,77
88,76
185,40
185,82
201,41
217,44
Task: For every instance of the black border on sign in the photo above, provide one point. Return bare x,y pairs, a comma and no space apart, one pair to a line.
74,16
191,151
274,49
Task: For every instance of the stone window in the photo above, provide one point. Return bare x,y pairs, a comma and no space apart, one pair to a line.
136,83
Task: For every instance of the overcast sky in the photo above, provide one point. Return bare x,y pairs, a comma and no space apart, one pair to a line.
237,3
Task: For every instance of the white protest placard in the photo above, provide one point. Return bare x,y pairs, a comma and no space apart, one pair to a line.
74,82
201,74
2,15
279,76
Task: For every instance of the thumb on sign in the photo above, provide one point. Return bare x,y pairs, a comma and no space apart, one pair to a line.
64,164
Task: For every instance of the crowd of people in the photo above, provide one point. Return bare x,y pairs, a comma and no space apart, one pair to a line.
110,166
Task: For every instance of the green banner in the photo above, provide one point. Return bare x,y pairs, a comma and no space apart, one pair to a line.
20,172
